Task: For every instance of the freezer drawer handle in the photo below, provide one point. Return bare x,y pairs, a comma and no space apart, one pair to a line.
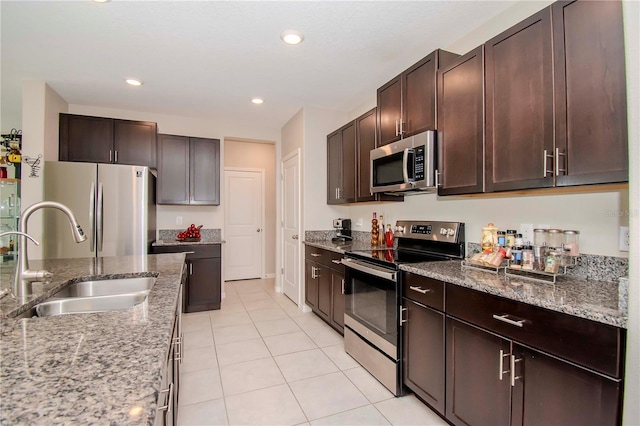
505,318
92,214
99,224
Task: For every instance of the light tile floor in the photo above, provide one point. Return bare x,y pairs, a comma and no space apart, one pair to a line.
261,361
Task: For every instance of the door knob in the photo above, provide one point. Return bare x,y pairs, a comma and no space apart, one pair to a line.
295,237
259,229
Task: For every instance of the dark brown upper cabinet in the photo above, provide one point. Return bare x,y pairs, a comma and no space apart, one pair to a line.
461,125
519,106
365,142
107,140
188,170
407,103
590,93
341,165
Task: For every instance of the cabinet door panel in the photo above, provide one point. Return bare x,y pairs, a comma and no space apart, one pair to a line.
337,299
519,105
173,169
389,111
334,166
86,139
135,142
366,141
475,393
418,94
348,188
204,171
552,391
424,353
461,125
591,110
324,292
204,285
310,284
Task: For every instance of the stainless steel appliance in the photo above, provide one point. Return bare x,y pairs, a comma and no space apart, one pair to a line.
115,205
373,283
405,166
343,230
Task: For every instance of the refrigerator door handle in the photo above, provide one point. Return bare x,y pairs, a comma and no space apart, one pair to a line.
99,211
92,214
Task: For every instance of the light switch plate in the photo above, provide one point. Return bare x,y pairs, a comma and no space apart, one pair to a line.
623,244
526,229
178,220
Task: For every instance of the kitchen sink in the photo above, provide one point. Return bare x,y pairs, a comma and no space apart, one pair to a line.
106,287
76,305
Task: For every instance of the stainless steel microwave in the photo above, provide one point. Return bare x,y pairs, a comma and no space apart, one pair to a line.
405,166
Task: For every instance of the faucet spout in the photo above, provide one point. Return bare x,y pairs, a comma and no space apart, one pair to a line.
24,276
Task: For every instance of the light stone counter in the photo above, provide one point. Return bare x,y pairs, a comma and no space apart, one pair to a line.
99,368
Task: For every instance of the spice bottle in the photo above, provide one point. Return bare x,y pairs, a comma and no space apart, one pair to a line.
388,236
502,238
519,241
489,238
381,231
528,258
374,230
511,237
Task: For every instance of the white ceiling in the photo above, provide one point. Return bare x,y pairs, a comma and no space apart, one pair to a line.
209,58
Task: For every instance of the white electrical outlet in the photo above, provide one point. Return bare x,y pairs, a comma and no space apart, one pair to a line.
360,222
623,244
526,229
178,220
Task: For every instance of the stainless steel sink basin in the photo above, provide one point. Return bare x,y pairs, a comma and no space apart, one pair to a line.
106,287
74,305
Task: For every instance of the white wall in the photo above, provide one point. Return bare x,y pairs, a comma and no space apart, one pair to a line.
210,127
292,134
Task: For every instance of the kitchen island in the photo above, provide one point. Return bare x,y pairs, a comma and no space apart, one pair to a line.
97,368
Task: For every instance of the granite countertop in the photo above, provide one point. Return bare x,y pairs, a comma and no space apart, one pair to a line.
98,368
600,301
160,243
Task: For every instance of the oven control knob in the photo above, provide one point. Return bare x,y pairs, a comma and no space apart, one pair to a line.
451,232
400,228
443,231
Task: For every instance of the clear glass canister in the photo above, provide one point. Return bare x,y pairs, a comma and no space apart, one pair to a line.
554,237
540,237
570,241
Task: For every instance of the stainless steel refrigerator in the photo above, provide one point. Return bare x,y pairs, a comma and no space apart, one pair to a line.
114,204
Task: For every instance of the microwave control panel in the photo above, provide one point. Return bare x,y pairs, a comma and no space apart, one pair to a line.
419,163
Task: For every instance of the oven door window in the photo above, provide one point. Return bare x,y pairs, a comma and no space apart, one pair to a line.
388,170
372,302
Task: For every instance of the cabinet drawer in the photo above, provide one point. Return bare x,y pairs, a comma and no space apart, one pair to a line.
324,257
424,290
200,251
585,342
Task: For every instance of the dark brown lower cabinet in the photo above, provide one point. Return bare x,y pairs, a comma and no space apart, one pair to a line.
423,353
496,381
324,278
203,287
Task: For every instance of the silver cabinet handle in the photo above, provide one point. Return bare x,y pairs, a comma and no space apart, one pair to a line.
295,237
337,262
177,343
501,364
513,370
116,156
558,169
316,254
402,310
401,127
110,156
505,318
396,127
545,157
420,289
169,404
437,178
190,268
343,286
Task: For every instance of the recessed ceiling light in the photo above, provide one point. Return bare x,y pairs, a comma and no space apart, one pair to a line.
257,101
133,82
292,37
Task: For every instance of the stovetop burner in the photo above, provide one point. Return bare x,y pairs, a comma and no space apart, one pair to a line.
419,241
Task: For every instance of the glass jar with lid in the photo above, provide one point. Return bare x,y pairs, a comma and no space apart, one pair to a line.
540,237
570,240
554,237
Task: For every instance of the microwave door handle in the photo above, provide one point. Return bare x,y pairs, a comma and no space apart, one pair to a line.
405,165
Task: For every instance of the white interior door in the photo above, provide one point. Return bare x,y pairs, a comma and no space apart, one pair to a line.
244,216
291,227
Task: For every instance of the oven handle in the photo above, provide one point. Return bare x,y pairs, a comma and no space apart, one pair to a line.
405,165
369,269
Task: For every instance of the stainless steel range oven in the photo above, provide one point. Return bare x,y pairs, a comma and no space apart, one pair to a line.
372,293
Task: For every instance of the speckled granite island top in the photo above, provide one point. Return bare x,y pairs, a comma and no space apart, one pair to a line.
595,300
164,243
98,368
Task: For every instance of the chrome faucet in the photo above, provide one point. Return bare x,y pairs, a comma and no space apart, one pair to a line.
25,276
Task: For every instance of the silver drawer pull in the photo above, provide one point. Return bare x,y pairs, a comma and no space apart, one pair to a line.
337,262
167,407
420,289
504,318
316,254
